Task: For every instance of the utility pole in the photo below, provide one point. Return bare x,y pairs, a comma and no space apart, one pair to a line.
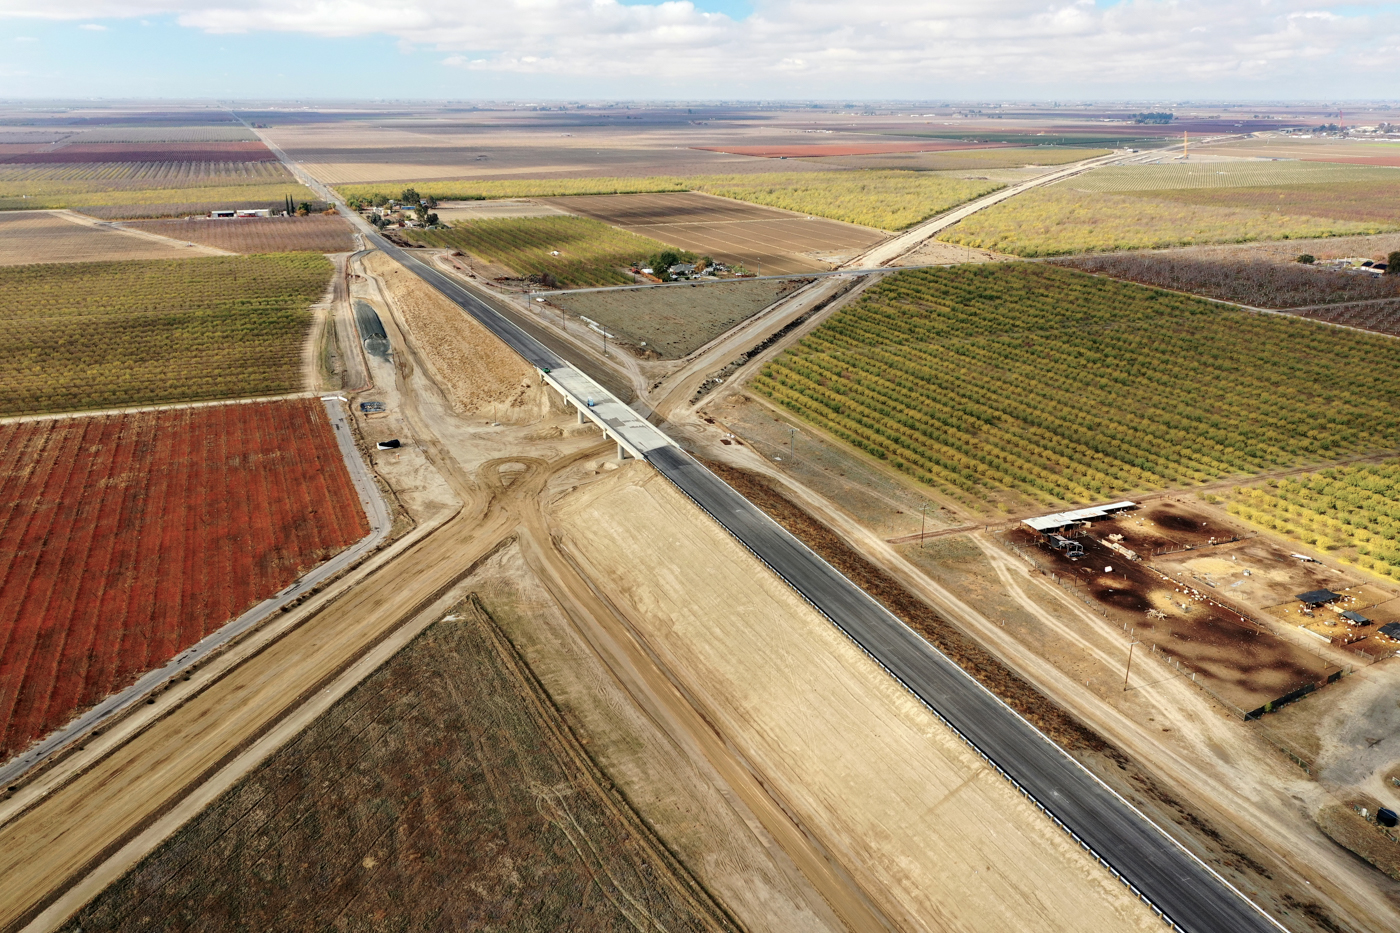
923,523
792,442
1130,665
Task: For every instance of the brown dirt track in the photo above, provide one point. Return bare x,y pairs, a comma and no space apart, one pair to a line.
761,238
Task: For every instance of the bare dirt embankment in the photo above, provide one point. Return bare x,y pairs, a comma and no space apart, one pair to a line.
932,836
479,374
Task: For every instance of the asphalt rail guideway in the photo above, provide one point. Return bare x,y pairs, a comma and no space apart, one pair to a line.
1185,891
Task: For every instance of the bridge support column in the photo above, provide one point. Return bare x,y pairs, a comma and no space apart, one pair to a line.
582,419
621,452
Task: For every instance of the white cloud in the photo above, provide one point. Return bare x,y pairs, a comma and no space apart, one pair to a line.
825,46
93,27
24,39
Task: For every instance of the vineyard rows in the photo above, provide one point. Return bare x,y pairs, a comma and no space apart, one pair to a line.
1356,508
1067,387
140,174
144,189
113,334
590,252
317,233
126,539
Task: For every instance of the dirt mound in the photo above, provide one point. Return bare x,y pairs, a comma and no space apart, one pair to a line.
480,375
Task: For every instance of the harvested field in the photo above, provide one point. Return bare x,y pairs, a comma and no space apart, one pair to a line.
317,233
1344,151
43,237
128,538
221,151
676,320
761,239
819,150
589,253
452,211
455,190
146,189
1058,220
112,334
481,376
445,792
1353,511
1357,201
215,133
1018,375
1242,663
839,744
1240,274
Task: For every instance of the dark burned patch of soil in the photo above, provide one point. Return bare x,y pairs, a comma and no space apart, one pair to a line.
445,792
1245,665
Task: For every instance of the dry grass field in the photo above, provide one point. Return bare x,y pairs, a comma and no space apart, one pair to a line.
111,334
46,237
317,233
446,791
678,319
1344,151
766,241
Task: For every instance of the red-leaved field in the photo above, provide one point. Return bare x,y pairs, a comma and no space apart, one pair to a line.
124,539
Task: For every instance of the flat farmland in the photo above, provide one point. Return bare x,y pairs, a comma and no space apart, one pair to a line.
1343,151
1066,387
317,233
112,334
128,538
44,237
946,160
1184,204
148,189
220,151
446,791
764,240
676,320
575,251
850,148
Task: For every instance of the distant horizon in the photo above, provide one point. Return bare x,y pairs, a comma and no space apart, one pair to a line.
749,50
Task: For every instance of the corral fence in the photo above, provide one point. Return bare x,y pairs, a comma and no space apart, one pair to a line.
1178,548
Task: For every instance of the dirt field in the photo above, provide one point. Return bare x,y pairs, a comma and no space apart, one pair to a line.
1241,661
766,670
765,240
317,233
1347,151
675,321
964,160
852,149
129,538
480,374
450,211
444,790
57,236
675,789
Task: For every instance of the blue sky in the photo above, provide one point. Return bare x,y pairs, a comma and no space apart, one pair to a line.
569,49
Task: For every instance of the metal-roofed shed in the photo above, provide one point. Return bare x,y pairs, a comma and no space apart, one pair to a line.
1351,615
1318,597
1057,520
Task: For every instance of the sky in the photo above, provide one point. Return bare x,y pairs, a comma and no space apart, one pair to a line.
706,49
